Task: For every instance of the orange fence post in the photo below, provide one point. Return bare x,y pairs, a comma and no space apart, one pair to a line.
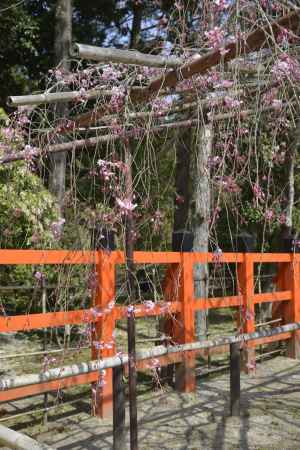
293,308
185,380
280,310
289,278
247,321
103,344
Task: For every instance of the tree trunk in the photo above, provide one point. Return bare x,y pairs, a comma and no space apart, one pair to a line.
200,214
62,45
182,177
292,156
136,26
286,230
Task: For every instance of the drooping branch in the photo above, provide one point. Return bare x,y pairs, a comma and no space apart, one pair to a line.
80,144
91,142
258,39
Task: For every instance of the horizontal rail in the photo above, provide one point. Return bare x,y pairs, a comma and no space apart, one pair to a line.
164,360
272,297
117,56
60,373
9,257
220,258
270,257
52,97
18,441
48,386
141,310
218,302
28,322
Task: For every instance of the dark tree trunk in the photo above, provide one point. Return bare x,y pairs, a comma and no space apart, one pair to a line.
182,178
286,230
62,43
136,26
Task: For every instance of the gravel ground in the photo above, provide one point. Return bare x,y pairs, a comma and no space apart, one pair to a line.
167,420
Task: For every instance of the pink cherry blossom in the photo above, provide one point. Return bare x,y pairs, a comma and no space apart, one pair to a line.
125,205
215,37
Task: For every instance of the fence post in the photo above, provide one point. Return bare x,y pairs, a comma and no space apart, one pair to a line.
166,324
235,379
246,287
293,349
118,408
102,403
282,283
45,338
185,380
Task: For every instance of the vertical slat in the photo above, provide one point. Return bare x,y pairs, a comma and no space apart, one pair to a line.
118,408
185,380
104,332
246,287
235,379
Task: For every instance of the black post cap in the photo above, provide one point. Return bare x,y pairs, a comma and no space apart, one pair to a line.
182,241
245,242
291,245
103,238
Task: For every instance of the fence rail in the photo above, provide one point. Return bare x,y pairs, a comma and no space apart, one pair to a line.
18,441
177,305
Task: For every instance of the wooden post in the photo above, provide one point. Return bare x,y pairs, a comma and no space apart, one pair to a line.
289,279
130,279
118,408
44,309
293,349
247,322
185,380
103,332
166,324
278,307
235,380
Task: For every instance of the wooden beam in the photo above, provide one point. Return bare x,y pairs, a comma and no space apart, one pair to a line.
120,56
53,97
260,38
9,257
235,379
142,364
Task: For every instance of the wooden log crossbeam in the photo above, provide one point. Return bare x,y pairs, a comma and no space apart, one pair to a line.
19,441
98,92
120,56
94,141
262,37
91,367
54,97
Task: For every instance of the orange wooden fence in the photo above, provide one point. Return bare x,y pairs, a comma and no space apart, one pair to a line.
178,306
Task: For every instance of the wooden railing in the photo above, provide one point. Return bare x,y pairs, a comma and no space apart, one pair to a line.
178,303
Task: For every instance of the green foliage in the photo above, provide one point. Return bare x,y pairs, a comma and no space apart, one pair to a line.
26,209
26,213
